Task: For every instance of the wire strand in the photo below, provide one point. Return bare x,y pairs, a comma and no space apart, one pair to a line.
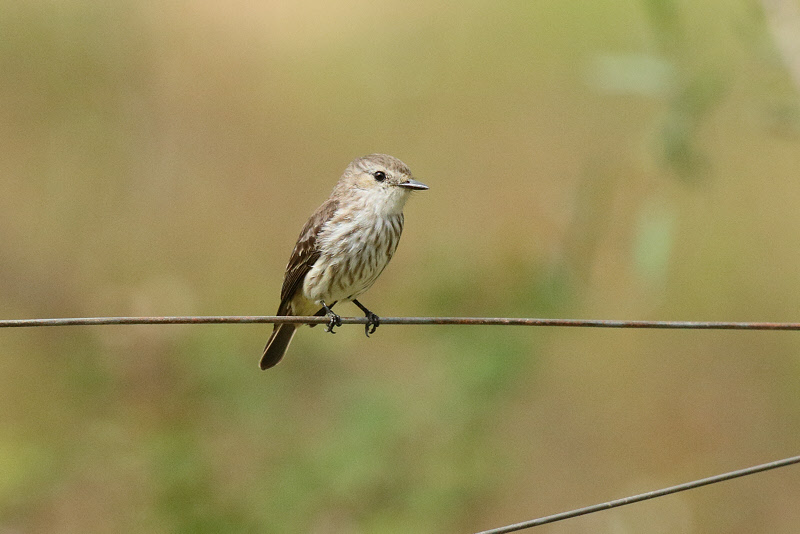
644,496
486,321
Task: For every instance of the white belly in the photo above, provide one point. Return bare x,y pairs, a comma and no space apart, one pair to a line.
352,256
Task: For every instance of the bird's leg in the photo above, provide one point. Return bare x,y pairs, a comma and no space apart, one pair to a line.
333,319
372,320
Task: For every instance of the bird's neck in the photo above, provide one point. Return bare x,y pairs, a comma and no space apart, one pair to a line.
381,203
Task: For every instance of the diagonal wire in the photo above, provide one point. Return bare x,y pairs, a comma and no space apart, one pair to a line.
644,496
491,321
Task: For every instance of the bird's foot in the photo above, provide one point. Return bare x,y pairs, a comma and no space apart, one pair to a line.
373,321
333,319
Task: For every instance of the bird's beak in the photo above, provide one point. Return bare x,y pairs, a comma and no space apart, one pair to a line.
413,184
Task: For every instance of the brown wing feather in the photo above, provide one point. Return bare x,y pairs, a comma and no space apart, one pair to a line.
305,253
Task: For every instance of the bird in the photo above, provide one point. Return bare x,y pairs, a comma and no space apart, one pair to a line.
344,246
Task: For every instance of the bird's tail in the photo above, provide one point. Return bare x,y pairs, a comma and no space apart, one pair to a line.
278,343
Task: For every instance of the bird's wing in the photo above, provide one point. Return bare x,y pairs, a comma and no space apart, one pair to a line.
305,253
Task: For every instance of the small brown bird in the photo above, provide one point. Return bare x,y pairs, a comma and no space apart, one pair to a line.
344,246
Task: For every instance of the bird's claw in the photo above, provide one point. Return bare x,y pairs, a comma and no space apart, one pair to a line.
373,322
333,320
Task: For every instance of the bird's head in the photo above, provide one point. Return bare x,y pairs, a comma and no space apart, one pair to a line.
381,180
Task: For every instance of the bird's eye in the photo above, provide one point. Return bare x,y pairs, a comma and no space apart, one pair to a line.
379,175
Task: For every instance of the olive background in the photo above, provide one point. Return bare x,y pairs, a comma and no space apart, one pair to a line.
609,159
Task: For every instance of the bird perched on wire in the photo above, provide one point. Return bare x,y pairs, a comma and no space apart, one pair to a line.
344,246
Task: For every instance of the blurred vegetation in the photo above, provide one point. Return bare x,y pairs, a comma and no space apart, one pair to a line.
608,159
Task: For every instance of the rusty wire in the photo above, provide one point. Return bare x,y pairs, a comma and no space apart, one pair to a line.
644,496
486,321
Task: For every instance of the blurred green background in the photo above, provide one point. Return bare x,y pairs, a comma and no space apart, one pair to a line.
610,159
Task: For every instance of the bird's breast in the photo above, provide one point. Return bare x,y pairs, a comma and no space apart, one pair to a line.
354,248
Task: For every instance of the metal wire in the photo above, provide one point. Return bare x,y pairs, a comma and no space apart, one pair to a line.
488,321
643,497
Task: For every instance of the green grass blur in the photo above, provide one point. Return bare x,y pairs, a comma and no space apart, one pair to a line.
608,159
